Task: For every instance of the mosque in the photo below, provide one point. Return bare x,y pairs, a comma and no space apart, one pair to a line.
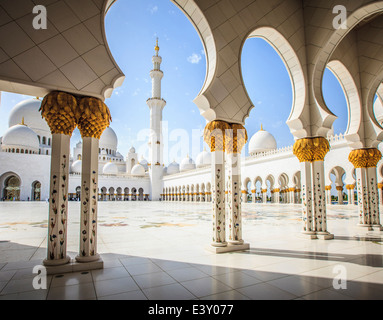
71,66
268,174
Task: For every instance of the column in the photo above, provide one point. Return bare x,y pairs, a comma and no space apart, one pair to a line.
298,196
339,189
253,195
214,136
328,194
311,153
235,140
380,187
93,117
365,161
244,196
57,109
276,195
264,195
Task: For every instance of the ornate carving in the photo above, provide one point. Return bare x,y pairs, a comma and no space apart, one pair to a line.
365,158
311,149
350,186
214,135
235,138
327,188
93,117
58,110
339,188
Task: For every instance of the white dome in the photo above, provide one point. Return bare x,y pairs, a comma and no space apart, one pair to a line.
29,110
203,159
110,168
76,166
22,137
144,163
132,150
173,168
108,139
138,170
262,141
187,164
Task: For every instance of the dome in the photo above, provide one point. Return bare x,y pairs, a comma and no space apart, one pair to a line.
187,164
132,150
76,166
203,159
144,163
21,136
110,168
262,141
138,170
173,168
29,110
108,139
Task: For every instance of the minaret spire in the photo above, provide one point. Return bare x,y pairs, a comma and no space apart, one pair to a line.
156,105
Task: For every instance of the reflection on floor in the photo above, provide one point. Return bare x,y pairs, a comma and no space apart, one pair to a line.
157,251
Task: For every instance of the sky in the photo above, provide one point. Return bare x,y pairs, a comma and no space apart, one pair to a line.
132,28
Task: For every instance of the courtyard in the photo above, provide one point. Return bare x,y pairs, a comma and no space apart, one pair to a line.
157,251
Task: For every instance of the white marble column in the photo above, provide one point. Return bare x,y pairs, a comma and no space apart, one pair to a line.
339,189
89,203
218,198
58,201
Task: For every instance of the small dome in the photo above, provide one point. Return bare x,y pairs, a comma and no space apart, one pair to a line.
76,166
132,150
138,170
29,110
203,159
110,168
187,164
108,139
20,136
173,168
262,141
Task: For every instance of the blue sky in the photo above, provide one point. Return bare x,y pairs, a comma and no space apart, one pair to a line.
132,28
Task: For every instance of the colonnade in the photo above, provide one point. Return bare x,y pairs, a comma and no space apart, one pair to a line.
187,196
63,113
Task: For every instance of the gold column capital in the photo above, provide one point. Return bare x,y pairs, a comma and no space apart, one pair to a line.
339,188
311,149
264,190
93,117
327,188
214,135
365,158
380,185
235,138
277,190
58,108
350,186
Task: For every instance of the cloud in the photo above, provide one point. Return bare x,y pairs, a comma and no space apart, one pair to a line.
195,58
153,10
136,92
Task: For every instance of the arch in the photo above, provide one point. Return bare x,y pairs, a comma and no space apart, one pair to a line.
295,71
36,191
10,186
140,194
134,194
332,42
353,101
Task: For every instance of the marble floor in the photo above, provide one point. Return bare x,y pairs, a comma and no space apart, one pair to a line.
157,251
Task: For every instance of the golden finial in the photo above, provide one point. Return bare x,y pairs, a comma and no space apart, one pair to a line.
22,122
157,48
262,127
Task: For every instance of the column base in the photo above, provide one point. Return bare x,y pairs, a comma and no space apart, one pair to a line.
87,259
54,263
317,235
365,227
74,266
229,248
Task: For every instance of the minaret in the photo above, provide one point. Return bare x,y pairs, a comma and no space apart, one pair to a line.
156,105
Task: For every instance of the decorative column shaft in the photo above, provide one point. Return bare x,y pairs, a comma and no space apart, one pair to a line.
214,136
58,110
340,194
235,139
365,161
350,194
311,152
380,186
93,117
